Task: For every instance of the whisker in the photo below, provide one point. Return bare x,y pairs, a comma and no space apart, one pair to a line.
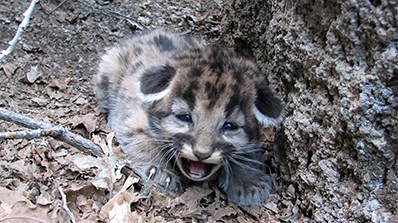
154,140
243,158
167,156
176,155
163,158
251,150
161,151
162,140
228,170
171,155
244,164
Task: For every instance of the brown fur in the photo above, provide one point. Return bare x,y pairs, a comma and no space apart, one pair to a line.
172,101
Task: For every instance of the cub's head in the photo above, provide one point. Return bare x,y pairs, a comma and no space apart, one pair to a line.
209,105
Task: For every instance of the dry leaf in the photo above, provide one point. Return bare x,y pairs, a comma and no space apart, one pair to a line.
33,75
89,122
56,89
291,191
191,201
13,205
227,211
81,101
272,206
109,166
84,206
40,101
44,199
201,18
9,69
118,208
121,210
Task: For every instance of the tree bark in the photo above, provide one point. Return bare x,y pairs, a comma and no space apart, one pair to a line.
334,64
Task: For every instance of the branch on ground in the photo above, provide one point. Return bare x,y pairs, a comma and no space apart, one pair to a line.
44,129
21,28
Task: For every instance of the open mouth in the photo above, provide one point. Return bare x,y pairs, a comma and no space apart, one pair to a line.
197,171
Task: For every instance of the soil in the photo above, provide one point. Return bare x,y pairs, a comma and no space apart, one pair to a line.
48,78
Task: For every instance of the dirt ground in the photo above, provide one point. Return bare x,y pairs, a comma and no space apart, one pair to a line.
48,78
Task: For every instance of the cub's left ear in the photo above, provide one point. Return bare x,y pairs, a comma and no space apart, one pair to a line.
268,109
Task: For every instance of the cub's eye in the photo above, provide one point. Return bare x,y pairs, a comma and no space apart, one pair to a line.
229,127
185,118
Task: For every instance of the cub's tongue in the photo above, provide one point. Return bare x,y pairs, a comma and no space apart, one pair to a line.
197,169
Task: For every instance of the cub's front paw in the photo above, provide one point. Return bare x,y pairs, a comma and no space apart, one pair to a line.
163,180
250,193
166,179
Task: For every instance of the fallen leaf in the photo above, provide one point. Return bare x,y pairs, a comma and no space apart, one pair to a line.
56,89
44,199
81,101
117,209
272,206
291,191
108,167
9,69
40,101
13,206
8,198
29,48
268,134
222,212
33,75
242,219
190,200
201,18
89,121
84,205
120,211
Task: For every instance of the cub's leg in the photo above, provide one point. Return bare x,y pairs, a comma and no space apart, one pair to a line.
245,183
152,159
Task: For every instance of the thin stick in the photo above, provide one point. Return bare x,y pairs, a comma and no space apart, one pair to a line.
29,134
56,7
57,132
21,27
65,204
23,219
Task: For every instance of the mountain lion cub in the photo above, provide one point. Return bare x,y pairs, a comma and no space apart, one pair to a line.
184,110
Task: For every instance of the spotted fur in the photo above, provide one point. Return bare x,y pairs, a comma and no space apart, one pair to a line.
186,110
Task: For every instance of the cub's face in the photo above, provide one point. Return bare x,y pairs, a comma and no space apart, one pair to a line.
208,105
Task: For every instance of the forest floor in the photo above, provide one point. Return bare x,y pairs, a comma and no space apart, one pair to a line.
48,78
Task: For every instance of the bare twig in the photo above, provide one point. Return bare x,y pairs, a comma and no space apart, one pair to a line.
21,27
59,5
21,219
132,21
65,204
45,129
29,134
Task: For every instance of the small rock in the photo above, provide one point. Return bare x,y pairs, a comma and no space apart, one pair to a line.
144,20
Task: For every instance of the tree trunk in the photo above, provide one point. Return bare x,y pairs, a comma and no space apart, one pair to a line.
335,65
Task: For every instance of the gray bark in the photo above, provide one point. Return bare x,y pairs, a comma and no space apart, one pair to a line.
335,65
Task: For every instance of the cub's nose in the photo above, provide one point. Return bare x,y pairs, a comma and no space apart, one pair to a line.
201,156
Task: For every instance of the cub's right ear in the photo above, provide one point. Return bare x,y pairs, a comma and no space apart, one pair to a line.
154,83
268,109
